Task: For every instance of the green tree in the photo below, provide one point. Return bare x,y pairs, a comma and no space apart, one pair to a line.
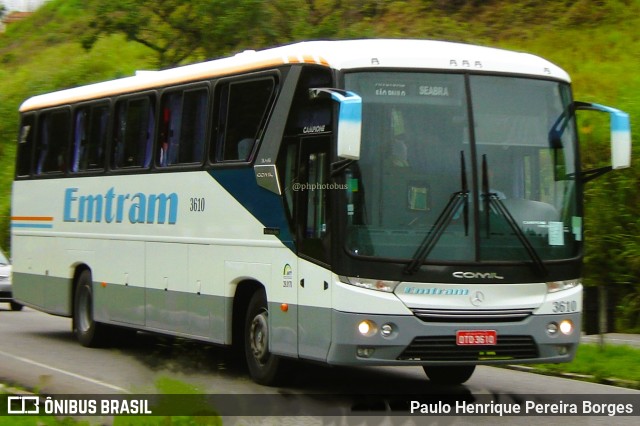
181,31
178,31
165,27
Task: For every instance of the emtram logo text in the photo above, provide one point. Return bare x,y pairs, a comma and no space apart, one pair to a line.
112,207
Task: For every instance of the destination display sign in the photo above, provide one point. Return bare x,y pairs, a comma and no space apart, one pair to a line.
422,88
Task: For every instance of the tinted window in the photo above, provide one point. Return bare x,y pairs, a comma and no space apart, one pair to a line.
25,146
133,133
89,138
53,134
309,115
182,127
243,109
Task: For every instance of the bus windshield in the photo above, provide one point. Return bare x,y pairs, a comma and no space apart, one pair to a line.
462,168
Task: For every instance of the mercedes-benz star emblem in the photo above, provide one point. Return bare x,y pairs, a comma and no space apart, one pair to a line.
477,298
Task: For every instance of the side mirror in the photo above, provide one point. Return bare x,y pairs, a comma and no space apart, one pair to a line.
349,120
620,133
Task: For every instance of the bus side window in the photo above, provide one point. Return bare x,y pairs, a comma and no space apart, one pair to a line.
25,146
182,127
89,138
51,142
133,133
308,115
242,114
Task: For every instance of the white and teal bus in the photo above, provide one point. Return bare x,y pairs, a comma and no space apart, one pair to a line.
371,202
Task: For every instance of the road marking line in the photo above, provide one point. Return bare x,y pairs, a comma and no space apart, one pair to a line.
68,373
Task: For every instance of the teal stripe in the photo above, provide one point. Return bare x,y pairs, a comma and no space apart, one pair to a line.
31,225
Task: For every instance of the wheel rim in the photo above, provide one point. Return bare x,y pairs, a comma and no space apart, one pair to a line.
259,337
84,311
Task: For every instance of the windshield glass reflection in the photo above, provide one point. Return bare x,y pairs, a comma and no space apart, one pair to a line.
419,150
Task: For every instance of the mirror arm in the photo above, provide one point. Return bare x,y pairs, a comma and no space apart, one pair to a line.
588,175
340,166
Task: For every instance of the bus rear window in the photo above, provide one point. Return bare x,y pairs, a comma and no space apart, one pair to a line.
25,146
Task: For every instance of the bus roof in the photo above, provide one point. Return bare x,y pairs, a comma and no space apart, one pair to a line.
340,55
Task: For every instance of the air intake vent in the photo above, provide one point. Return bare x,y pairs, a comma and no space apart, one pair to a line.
472,315
444,348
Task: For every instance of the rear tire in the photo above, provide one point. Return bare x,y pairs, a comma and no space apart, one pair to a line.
449,375
88,332
15,306
265,368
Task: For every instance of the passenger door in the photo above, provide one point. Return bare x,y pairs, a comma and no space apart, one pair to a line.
312,222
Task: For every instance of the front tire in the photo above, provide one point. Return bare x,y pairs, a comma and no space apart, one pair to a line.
449,375
88,332
265,368
15,306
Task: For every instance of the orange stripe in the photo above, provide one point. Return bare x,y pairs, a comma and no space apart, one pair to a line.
34,218
168,79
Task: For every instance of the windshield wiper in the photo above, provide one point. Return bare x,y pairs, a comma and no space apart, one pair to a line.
491,199
457,200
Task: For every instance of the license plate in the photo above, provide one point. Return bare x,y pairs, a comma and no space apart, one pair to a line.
476,337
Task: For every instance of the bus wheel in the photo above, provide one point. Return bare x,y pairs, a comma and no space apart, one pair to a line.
265,368
15,306
88,332
449,375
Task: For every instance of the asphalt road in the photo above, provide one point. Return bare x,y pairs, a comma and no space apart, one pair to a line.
38,351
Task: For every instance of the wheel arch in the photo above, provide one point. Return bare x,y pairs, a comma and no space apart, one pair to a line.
245,289
76,269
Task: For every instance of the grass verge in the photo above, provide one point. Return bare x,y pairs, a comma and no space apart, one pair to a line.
613,364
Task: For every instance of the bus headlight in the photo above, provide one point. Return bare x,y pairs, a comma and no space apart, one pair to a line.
566,327
555,286
367,328
371,284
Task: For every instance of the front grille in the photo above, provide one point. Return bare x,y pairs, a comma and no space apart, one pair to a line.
444,348
472,315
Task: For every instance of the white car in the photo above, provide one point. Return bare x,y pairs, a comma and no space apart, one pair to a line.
5,283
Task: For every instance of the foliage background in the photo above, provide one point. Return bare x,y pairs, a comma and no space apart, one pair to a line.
73,42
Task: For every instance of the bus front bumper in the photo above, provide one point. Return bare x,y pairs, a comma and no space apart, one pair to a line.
407,340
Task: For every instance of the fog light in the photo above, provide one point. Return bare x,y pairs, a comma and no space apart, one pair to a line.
552,329
363,352
386,330
563,350
367,328
566,327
